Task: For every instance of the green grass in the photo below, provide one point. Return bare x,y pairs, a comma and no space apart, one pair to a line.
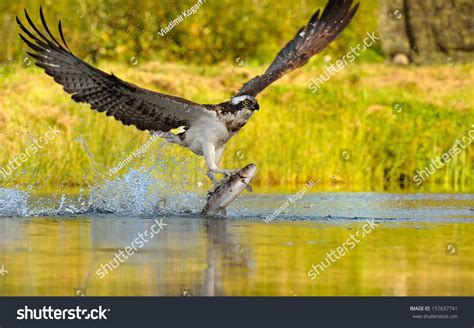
296,136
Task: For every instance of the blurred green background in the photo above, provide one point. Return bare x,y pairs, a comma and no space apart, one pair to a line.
253,30
391,120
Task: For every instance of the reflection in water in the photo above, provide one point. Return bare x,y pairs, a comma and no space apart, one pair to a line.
46,256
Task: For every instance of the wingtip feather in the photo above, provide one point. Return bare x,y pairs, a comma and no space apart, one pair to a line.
43,21
60,28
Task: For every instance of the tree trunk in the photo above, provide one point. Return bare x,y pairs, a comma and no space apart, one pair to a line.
428,31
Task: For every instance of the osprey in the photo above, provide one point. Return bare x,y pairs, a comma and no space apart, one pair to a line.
207,128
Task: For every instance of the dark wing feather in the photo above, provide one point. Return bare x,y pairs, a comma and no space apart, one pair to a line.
145,109
309,40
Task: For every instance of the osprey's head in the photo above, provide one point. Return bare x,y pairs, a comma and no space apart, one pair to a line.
244,102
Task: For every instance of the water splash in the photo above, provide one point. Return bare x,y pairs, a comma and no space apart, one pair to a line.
140,192
136,194
124,196
13,202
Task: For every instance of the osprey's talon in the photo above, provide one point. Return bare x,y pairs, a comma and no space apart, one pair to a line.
217,185
212,178
220,183
228,173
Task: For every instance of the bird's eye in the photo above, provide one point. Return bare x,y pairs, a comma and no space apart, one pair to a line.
246,102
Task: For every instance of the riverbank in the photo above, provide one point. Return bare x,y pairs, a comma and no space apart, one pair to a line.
369,127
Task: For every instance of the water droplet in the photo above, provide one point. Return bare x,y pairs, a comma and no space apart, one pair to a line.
239,61
450,61
186,293
327,58
133,61
27,61
240,154
398,15
292,13
345,155
397,108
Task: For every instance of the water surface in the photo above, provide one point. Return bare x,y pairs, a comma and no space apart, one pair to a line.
422,245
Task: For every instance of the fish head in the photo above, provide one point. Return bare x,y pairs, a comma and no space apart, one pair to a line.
247,173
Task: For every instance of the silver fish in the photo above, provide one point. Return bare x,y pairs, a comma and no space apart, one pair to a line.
227,191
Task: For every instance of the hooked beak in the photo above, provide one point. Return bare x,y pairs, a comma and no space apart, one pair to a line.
256,107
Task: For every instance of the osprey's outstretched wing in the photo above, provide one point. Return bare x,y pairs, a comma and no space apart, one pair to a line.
309,40
145,109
